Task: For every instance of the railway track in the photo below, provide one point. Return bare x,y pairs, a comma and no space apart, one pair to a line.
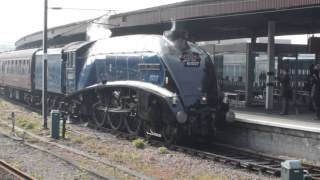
230,155
264,161
221,153
9,172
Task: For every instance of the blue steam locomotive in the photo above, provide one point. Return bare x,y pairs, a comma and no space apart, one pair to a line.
161,86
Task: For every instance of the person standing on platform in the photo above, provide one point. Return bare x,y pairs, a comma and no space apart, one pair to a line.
315,91
308,86
285,91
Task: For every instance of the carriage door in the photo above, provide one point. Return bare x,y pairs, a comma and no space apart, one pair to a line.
70,72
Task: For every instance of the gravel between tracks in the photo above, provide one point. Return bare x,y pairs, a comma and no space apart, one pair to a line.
152,162
169,165
36,163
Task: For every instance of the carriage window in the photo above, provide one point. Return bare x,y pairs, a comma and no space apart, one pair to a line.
15,67
9,66
71,59
19,67
28,68
24,66
24,69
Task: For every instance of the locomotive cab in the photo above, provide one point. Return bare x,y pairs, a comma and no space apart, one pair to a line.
74,55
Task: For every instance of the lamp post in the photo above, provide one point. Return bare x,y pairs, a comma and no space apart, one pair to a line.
45,66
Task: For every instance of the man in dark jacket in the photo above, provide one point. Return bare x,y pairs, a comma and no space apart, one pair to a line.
285,91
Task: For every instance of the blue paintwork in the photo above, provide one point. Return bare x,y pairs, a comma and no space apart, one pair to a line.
87,75
119,67
55,71
118,58
145,58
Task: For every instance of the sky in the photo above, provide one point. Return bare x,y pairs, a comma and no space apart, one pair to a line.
22,17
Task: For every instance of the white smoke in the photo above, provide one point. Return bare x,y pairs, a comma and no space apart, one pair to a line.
98,29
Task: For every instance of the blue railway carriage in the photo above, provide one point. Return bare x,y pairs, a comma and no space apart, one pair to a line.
16,77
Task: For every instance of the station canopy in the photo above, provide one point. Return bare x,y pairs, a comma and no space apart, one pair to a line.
223,19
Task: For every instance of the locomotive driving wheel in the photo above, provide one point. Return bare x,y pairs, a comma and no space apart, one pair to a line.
99,114
115,115
133,122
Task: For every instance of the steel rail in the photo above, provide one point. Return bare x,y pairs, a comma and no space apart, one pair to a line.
6,170
69,149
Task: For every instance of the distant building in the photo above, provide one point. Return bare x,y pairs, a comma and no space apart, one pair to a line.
57,36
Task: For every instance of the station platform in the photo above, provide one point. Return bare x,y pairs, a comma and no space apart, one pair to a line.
299,122
296,136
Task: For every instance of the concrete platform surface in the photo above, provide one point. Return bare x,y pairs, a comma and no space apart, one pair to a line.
301,122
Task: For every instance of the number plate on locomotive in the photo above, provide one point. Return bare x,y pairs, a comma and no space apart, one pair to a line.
190,59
